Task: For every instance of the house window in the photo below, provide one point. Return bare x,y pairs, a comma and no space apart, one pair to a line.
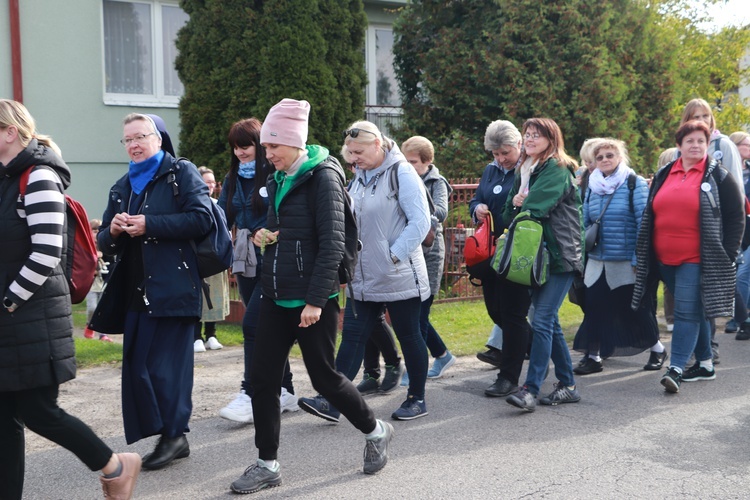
382,87
139,52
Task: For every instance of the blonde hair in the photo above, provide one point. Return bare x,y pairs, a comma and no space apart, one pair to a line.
15,114
666,156
205,170
692,106
738,137
421,146
587,151
95,223
346,155
611,143
371,133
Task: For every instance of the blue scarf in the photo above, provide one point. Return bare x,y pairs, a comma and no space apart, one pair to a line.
141,173
247,170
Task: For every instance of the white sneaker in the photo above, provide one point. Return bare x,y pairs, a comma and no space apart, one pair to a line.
213,344
670,327
198,346
288,401
239,410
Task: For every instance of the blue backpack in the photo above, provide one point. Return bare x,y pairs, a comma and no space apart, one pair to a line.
214,250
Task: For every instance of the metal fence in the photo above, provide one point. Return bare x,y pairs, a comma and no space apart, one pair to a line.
455,285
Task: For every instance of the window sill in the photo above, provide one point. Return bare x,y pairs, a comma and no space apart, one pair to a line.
141,101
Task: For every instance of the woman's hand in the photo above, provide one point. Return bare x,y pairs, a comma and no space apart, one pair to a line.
310,315
263,237
518,199
118,224
481,212
135,225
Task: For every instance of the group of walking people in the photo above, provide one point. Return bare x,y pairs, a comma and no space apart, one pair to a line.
293,212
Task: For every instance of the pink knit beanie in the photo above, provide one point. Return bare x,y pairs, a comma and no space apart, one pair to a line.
286,124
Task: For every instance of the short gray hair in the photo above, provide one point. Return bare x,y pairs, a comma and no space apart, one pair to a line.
501,133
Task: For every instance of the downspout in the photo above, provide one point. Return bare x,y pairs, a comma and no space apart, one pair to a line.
15,50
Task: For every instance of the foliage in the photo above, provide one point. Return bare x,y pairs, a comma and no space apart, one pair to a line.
621,68
237,58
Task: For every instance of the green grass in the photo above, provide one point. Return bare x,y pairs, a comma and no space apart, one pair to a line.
464,327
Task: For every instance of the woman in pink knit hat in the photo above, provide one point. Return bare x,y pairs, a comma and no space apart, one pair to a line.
303,245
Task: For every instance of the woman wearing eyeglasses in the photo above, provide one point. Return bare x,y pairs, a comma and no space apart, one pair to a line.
615,197
391,272
690,236
545,186
244,198
153,294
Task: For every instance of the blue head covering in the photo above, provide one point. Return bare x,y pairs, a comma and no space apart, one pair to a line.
161,127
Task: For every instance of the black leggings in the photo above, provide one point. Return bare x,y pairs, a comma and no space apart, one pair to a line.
37,409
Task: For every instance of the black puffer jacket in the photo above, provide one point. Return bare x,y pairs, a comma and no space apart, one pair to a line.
36,344
303,264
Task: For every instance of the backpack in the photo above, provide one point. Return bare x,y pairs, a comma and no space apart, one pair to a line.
213,251
521,256
352,244
394,186
79,258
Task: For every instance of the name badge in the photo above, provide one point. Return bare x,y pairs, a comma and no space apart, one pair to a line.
497,189
705,187
718,155
263,192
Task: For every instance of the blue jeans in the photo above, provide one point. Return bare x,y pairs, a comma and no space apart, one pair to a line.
431,337
405,320
743,278
548,341
496,338
691,328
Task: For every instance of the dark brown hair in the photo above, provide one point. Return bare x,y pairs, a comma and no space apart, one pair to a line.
547,128
246,133
689,127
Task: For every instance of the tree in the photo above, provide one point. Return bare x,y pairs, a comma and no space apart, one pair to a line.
238,58
610,68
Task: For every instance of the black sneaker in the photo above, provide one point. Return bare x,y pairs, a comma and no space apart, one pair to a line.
501,388
588,367
656,360
256,478
744,332
368,385
671,380
376,450
697,372
392,377
320,407
490,356
561,394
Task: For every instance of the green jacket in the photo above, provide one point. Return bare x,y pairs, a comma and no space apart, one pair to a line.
554,200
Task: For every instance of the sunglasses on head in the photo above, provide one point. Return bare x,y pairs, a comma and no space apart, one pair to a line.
354,132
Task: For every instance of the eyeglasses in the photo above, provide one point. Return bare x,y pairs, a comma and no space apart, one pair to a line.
743,144
354,132
608,156
138,139
533,136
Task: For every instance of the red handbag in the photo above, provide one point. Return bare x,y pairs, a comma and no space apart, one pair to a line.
479,249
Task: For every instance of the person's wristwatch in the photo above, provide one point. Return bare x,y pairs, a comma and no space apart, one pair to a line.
394,259
9,305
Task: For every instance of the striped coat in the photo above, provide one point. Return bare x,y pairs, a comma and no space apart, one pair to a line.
722,223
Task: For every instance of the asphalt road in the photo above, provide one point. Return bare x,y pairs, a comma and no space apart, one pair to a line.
627,438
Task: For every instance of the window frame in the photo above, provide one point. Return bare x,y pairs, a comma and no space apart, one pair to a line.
371,65
158,99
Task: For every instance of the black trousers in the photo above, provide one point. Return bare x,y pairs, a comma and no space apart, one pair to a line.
508,305
278,328
37,409
381,339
